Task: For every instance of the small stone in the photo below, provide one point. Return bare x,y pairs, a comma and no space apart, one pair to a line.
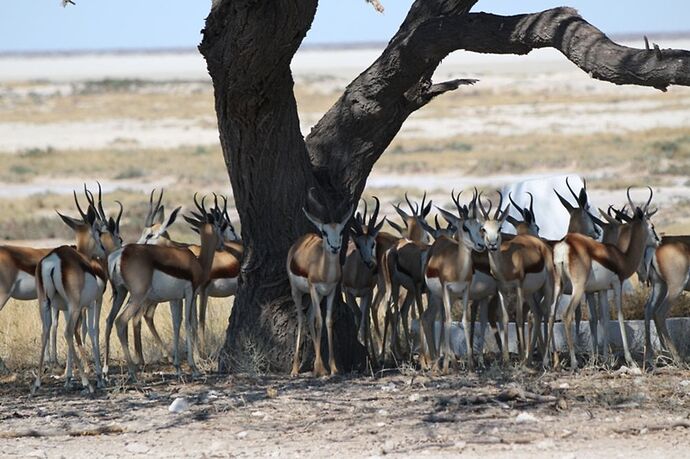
382,413
525,418
413,397
644,431
137,448
685,383
242,434
564,385
546,444
179,405
271,392
257,414
460,444
389,388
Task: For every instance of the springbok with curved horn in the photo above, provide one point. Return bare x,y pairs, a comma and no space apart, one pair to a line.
581,221
528,225
154,274
313,266
403,266
413,230
71,279
590,266
18,271
448,276
524,263
360,270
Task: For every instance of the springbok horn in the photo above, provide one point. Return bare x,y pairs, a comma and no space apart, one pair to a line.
81,212
500,203
567,183
414,210
518,208
119,215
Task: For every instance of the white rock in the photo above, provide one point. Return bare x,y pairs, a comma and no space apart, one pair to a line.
413,397
685,383
546,444
179,405
257,414
389,388
242,434
524,418
382,413
137,448
564,385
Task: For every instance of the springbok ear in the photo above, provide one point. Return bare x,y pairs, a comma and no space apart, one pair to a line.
450,218
91,216
378,227
650,213
395,226
569,207
582,200
315,221
608,218
171,219
73,223
426,210
513,221
402,213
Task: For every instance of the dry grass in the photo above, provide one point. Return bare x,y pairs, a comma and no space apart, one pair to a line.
20,334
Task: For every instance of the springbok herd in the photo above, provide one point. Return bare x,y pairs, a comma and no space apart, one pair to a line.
470,259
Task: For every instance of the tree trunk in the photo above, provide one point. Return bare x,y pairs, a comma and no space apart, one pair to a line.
270,173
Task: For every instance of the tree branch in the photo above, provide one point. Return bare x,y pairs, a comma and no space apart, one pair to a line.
344,145
579,41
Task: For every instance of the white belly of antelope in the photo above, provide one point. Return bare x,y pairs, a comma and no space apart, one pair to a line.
221,288
92,289
165,287
24,287
600,278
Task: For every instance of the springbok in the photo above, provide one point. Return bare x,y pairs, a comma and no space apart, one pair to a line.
414,229
403,266
590,266
313,266
669,276
528,224
448,277
524,263
360,271
223,277
154,274
70,279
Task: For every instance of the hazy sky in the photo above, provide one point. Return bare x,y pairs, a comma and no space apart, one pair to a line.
37,25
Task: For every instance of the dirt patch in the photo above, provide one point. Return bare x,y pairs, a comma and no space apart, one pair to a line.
500,413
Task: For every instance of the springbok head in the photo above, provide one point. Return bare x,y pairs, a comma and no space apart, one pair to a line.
581,220
108,227
329,222
644,214
414,230
438,231
87,229
493,226
209,224
364,233
528,225
468,228
156,224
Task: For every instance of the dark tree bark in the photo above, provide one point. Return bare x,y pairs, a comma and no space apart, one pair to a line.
248,47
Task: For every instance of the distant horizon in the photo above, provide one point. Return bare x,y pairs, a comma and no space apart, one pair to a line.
307,46
44,27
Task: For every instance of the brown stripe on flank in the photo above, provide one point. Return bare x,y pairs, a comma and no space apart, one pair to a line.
297,270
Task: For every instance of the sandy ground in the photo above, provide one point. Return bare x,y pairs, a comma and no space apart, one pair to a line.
511,413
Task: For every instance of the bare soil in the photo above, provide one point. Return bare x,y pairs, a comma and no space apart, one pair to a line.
511,412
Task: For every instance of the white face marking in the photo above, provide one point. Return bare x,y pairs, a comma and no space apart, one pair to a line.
491,230
332,235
